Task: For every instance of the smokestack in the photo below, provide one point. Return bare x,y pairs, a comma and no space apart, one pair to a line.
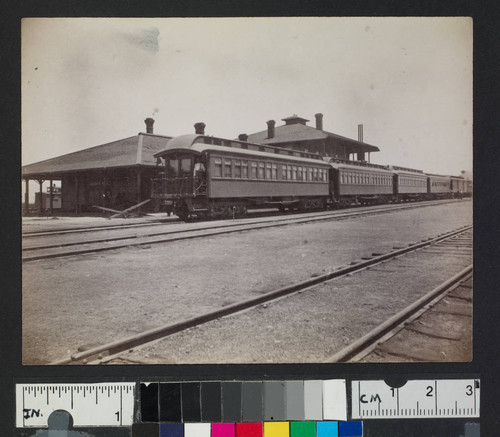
319,121
199,128
149,125
243,137
270,128
360,133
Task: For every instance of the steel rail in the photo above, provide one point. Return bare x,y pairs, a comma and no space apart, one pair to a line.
33,234
370,339
166,330
219,230
162,221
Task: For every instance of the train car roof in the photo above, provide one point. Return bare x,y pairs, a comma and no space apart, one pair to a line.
357,167
201,147
437,175
192,143
409,173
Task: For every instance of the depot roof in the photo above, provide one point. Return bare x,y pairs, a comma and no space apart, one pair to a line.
128,152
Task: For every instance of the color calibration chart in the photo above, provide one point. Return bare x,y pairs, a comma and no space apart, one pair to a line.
303,408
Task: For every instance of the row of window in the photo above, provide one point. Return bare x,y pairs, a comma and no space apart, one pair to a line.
412,182
242,169
435,183
360,178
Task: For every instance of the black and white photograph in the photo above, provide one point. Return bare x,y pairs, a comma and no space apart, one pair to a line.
247,190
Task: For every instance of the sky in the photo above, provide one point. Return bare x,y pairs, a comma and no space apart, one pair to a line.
89,81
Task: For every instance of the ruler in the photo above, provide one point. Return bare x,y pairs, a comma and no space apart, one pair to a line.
432,398
101,404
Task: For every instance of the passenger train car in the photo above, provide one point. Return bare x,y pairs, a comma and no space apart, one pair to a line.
211,177
208,177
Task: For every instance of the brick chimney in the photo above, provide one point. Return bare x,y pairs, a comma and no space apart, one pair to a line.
149,125
243,137
199,128
270,128
319,121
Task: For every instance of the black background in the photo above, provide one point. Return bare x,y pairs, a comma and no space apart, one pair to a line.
486,202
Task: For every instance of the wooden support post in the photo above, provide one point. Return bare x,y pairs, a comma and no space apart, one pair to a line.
27,196
51,197
40,203
76,194
139,180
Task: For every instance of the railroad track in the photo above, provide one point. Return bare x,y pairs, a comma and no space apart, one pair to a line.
79,230
81,247
110,351
376,340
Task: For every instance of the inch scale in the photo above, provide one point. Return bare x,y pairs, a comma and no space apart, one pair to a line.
431,398
113,404
101,404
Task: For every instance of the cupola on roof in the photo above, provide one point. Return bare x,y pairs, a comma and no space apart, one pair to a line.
294,119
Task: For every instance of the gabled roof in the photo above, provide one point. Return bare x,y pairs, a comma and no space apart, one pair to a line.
300,132
133,151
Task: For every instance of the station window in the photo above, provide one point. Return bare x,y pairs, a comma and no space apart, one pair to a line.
244,169
275,171
261,170
237,168
253,171
217,167
283,172
227,168
268,170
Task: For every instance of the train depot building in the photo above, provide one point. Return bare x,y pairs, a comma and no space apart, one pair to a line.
116,175
295,134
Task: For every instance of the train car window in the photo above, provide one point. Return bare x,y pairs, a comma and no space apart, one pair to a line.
289,172
309,174
299,173
283,172
294,173
217,167
261,170
237,169
275,171
227,168
253,172
172,168
244,169
268,170
186,166
315,174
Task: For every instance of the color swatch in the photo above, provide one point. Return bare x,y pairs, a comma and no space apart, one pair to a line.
234,401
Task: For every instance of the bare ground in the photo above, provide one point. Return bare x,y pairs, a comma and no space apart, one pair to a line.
95,299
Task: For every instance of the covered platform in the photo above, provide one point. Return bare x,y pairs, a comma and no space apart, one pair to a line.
115,175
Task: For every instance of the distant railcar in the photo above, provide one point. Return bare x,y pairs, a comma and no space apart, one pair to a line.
409,184
355,182
460,187
439,187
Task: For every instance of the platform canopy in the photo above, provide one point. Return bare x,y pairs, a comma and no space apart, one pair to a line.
128,152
